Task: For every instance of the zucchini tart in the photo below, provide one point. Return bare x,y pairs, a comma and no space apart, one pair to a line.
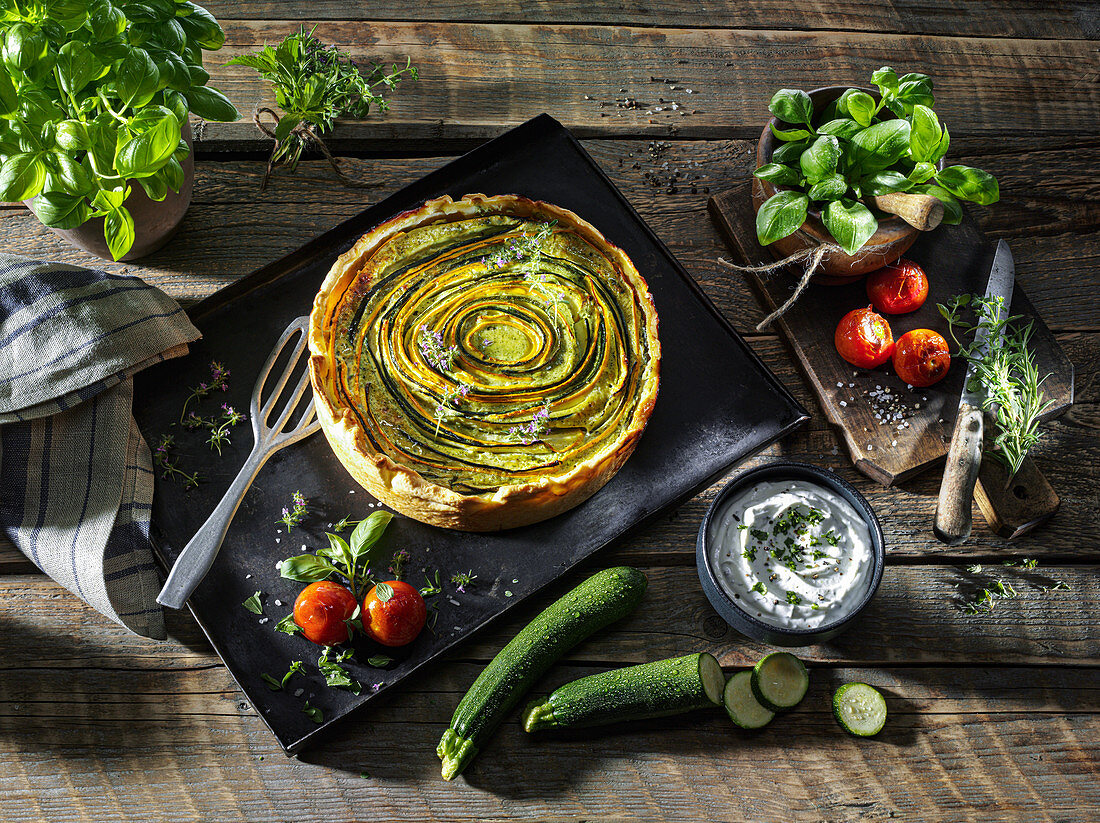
484,363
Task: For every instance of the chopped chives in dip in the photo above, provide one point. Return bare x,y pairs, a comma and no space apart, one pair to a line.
795,554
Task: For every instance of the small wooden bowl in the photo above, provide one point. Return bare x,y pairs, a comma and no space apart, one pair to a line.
891,241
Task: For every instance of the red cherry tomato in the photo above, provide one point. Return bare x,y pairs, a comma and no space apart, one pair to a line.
321,610
864,339
397,620
898,288
921,357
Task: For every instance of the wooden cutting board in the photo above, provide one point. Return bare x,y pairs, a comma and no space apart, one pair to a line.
891,432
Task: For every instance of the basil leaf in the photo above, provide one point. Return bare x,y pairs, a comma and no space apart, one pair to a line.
841,127
314,713
789,135
941,149
9,98
779,174
107,200
781,215
106,21
69,176
820,159
789,152
922,172
271,682
24,46
137,79
210,104
379,661
831,188
118,230
77,67
885,79
924,134
173,174
968,183
71,135
200,26
253,604
288,626
885,182
155,186
792,106
878,147
22,176
384,591
146,152
60,211
367,533
307,568
850,223
862,107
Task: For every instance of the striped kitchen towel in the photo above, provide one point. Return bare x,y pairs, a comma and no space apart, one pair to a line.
76,477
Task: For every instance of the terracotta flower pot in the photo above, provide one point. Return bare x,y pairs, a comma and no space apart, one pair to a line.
891,241
154,222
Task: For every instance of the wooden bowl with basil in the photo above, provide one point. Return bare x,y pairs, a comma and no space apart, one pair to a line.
838,165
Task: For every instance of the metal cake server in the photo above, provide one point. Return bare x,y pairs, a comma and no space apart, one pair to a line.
198,555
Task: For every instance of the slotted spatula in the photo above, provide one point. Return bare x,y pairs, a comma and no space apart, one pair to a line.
198,555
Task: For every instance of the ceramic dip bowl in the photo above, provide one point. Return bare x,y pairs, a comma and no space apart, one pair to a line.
850,507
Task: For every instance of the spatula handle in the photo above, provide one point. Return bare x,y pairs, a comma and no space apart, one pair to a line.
198,555
964,459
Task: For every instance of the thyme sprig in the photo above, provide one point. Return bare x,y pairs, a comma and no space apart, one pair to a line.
1005,369
296,512
166,461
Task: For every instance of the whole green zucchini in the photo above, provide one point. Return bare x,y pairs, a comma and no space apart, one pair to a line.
597,602
656,689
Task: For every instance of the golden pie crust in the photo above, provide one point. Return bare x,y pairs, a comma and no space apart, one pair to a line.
404,488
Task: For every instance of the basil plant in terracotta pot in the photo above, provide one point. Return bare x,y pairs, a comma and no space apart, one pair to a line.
94,102
828,158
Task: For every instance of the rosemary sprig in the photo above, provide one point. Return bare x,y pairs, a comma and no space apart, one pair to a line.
1007,371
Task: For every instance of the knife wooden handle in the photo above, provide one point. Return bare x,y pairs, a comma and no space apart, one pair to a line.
1015,508
964,459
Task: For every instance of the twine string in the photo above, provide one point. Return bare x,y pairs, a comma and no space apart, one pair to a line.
306,132
812,258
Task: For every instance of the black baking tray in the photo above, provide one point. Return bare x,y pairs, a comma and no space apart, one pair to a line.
718,404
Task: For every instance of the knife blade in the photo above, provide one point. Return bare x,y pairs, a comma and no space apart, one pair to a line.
964,456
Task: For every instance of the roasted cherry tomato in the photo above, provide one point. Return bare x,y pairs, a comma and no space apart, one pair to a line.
921,357
321,610
396,620
898,288
864,339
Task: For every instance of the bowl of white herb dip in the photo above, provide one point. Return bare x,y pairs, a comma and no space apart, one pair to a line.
790,554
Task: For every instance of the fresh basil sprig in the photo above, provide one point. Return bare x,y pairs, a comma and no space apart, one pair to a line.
855,148
349,558
94,96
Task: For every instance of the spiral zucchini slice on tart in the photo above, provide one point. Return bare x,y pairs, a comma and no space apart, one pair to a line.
505,352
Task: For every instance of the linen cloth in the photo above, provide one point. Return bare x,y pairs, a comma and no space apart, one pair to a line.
76,476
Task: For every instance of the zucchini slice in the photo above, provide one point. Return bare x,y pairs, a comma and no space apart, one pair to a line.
859,709
780,681
741,704
658,689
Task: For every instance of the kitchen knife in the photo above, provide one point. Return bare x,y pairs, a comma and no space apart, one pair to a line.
964,457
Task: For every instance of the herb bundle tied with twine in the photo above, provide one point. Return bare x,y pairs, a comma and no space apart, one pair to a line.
314,85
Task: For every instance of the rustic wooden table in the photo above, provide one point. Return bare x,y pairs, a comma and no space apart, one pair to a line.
992,716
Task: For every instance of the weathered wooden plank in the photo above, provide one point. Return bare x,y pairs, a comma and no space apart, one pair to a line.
1008,19
477,79
182,745
917,617
1069,454
233,228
